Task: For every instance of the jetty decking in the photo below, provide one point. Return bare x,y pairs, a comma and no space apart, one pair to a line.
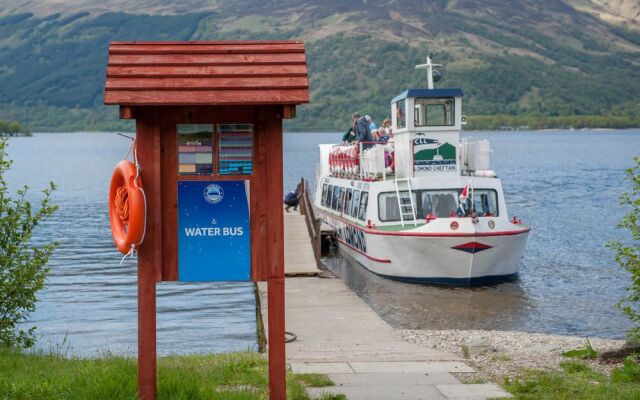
340,335
299,259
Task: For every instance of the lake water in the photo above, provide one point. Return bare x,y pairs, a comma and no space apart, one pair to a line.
564,184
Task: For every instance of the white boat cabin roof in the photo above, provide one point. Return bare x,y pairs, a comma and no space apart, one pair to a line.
427,110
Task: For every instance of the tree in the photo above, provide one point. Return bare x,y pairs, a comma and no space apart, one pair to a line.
628,255
23,265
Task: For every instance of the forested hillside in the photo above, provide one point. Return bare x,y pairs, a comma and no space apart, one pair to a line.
525,58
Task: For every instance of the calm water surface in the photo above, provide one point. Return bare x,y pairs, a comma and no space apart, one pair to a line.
564,184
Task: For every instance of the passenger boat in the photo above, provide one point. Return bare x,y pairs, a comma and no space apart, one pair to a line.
425,207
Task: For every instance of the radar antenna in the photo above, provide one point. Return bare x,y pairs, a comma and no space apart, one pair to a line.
430,71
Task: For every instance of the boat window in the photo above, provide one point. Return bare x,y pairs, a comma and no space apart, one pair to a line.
327,198
388,208
439,203
323,200
401,119
335,197
364,199
341,203
485,202
436,111
347,203
356,203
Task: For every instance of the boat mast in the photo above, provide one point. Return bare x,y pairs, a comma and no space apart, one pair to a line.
429,67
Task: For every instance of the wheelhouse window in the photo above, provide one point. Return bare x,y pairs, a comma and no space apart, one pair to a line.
388,207
439,203
485,202
436,111
364,199
401,118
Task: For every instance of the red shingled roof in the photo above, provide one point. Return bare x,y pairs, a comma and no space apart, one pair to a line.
206,73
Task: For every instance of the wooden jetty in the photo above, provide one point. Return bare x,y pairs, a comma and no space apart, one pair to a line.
302,237
338,334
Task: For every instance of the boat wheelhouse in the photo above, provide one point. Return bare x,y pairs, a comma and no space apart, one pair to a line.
424,206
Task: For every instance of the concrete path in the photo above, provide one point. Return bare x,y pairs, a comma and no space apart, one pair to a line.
298,252
339,335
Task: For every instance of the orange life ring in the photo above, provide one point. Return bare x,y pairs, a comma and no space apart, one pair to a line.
127,207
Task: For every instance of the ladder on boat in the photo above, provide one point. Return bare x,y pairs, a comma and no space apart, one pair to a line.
405,201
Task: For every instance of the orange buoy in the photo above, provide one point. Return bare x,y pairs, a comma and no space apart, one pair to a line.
127,207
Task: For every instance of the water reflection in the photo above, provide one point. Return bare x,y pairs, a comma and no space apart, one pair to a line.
415,306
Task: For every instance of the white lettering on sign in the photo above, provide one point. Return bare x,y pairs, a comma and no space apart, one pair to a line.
226,231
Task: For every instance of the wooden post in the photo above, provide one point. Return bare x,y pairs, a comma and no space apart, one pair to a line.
149,254
301,191
275,256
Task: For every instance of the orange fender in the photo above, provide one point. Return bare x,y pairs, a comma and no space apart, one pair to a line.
127,207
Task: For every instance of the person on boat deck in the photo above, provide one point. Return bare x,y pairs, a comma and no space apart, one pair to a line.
292,199
350,136
382,136
387,125
372,125
361,128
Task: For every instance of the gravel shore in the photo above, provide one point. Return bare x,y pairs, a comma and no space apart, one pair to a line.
508,352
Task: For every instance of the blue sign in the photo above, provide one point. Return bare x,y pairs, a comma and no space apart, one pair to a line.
214,242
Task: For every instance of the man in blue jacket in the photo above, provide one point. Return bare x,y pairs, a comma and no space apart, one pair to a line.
361,128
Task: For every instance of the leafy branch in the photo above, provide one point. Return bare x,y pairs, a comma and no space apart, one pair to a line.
23,265
627,256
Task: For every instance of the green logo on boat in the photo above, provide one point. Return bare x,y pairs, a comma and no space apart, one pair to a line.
432,155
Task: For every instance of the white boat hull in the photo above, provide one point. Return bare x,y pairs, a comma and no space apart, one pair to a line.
470,257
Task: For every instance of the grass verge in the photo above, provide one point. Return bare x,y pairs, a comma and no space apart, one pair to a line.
576,380
234,376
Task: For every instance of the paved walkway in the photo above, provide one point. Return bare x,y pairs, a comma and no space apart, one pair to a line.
339,335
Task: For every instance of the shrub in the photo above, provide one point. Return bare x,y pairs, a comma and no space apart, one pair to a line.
23,265
627,255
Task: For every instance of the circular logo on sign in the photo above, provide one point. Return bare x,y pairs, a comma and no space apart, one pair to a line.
213,194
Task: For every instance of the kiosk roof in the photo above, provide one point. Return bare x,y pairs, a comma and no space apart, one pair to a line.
206,73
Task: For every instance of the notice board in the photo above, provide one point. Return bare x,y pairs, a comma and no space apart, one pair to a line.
214,241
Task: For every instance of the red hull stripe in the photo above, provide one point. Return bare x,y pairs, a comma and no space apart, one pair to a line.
380,260
425,234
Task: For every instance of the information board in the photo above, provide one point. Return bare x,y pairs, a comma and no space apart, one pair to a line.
214,242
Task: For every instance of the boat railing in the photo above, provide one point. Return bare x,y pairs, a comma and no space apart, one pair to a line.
368,161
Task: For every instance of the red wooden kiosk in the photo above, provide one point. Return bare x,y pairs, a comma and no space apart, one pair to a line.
163,85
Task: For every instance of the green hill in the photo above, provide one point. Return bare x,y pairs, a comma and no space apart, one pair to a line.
525,60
